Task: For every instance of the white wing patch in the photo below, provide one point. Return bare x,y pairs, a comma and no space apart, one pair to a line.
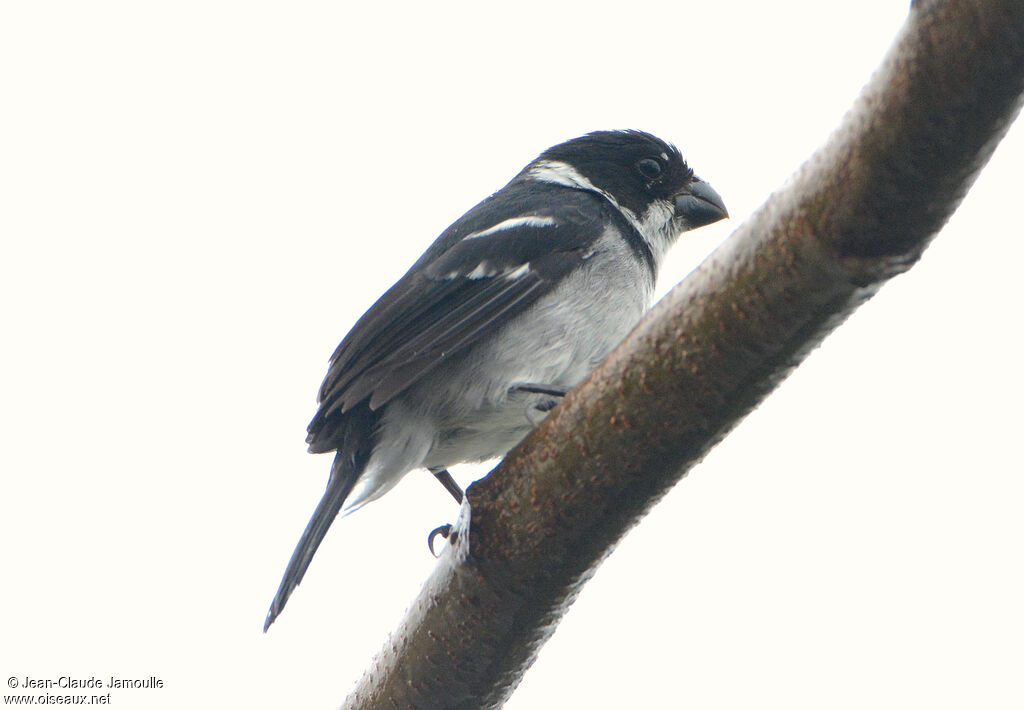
520,272
482,271
512,223
485,270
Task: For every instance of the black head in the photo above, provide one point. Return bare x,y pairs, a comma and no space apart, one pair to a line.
632,166
635,169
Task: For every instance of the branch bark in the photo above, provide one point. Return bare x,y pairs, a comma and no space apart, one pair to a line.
860,211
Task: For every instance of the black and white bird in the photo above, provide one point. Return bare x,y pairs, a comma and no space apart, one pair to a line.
513,305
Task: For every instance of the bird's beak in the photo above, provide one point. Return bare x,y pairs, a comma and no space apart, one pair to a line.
699,205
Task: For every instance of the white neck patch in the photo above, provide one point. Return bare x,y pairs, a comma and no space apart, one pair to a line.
656,227
564,174
659,229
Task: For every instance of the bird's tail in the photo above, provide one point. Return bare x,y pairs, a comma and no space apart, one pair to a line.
344,473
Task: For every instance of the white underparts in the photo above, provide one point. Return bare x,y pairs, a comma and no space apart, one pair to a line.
404,441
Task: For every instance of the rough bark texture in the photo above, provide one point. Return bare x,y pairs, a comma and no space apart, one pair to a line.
859,212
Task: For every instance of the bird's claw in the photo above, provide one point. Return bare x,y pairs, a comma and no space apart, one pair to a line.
444,531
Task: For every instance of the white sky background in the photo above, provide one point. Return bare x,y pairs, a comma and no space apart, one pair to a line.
200,198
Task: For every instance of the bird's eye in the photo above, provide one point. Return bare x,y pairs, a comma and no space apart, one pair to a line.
649,168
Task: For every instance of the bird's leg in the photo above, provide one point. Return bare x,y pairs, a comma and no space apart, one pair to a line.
540,389
442,475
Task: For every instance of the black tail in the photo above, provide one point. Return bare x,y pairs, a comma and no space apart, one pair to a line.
344,473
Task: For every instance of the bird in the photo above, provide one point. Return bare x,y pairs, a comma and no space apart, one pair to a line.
510,307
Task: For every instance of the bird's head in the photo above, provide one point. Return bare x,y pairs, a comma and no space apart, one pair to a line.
641,174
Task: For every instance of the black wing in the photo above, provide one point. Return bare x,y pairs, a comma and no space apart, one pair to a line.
481,272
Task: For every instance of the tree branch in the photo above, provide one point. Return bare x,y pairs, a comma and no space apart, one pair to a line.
862,210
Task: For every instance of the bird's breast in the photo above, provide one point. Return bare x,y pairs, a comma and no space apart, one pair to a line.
557,343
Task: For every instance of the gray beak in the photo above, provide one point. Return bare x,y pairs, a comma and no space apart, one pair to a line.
700,205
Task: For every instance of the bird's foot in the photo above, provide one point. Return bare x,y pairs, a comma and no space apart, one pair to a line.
537,411
445,531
